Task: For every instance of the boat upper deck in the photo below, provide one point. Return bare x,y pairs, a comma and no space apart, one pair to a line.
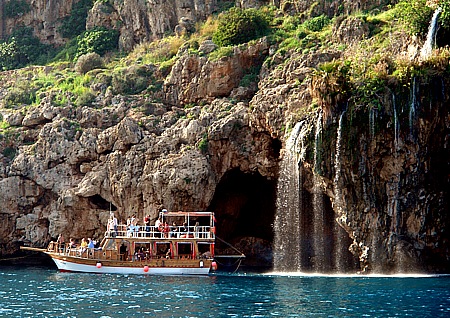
171,225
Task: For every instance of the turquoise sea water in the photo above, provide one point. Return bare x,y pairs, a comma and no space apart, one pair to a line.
38,292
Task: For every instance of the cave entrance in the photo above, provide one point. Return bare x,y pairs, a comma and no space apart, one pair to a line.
244,205
101,203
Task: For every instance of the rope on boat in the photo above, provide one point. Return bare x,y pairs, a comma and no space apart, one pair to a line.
239,260
234,248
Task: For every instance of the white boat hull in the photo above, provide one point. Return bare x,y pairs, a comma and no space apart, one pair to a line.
68,266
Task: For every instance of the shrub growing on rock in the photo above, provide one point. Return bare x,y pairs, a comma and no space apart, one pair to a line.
88,62
132,80
98,40
238,26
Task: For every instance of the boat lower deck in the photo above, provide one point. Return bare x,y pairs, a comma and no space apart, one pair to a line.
150,267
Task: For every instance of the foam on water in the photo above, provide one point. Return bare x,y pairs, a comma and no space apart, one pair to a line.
355,275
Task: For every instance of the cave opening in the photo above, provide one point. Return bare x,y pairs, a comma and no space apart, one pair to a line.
244,205
99,202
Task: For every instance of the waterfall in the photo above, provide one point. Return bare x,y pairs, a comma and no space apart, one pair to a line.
339,233
287,227
430,42
396,126
318,209
337,168
372,122
412,109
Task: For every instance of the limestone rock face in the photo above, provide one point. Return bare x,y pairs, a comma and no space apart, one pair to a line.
142,21
44,17
194,79
210,143
132,156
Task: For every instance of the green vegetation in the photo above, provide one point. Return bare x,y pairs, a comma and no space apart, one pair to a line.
131,80
203,144
88,62
316,24
75,24
99,40
20,94
22,48
15,8
366,71
415,14
9,152
237,26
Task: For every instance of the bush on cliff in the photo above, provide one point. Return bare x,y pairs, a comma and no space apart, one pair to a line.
131,80
238,26
16,8
75,23
88,62
22,48
415,14
98,40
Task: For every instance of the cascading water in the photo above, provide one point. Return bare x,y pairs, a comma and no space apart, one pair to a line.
287,241
396,126
372,116
430,42
412,109
318,208
339,234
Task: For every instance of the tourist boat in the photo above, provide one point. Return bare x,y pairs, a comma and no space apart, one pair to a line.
184,248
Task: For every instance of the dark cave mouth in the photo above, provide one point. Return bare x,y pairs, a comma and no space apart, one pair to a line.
244,205
99,202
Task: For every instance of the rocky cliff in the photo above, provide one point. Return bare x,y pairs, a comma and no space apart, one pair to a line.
140,21
202,140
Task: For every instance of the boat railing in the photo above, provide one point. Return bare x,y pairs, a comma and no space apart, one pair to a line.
110,254
152,232
83,252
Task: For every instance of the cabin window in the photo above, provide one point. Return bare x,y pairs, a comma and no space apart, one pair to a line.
184,250
163,250
204,250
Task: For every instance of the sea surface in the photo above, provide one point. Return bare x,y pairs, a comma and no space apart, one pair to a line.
41,292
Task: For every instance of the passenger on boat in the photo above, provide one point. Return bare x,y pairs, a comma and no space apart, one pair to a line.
174,230
72,243
112,225
83,245
115,224
166,229
183,230
91,243
158,225
197,229
129,227
168,254
207,254
60,241
132,222
147,225
139,255
135,226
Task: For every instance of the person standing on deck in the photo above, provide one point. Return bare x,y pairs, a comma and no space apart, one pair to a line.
147,225
115,224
